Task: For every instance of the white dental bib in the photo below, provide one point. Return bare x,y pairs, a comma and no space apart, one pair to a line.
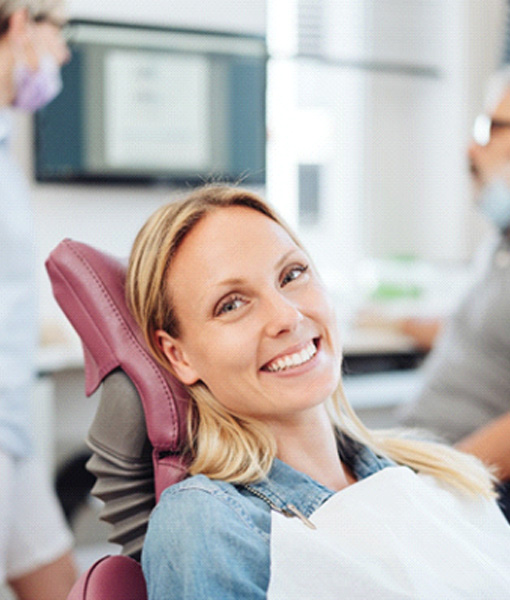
391,536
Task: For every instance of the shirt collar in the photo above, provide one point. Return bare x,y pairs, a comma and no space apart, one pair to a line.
284,485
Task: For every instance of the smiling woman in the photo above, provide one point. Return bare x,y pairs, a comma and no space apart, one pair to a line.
231,303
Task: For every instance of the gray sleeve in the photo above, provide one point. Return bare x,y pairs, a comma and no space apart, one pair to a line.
122,463
467,375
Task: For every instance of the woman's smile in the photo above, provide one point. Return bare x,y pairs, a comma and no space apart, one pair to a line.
292,358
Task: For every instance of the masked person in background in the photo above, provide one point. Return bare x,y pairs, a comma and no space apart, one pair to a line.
35,543
466,394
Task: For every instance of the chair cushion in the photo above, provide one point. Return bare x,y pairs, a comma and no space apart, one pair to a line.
111,578
88,284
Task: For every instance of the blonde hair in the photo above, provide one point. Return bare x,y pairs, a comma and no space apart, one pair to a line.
228,446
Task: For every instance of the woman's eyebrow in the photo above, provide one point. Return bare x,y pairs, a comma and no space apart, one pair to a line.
229,282
285,257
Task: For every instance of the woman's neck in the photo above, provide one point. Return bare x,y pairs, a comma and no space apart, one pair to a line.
308,444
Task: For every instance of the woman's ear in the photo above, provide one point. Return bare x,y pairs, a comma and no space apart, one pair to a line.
175,355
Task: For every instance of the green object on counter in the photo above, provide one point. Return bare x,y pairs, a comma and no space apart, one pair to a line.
396,291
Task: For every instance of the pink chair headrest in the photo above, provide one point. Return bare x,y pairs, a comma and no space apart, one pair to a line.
89,287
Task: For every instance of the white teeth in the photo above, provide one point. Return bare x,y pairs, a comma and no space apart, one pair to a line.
293,360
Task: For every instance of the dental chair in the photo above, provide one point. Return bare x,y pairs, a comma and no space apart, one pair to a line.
138,434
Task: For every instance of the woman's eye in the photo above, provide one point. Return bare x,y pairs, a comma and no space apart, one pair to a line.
230,305
293,273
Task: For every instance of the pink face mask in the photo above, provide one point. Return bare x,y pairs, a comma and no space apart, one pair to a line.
35,89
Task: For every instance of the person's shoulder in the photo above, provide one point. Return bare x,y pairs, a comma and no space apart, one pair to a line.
199,530
200,487
199,499
197,512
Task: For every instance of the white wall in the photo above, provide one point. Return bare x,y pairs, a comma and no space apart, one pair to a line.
109,217
418,188
224,15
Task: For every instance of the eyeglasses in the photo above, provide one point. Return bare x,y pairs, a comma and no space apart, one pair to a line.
485,126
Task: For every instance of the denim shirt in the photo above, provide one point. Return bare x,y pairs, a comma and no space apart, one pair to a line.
210,540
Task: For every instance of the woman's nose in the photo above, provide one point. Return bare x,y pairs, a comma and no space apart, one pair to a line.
282,315
64,54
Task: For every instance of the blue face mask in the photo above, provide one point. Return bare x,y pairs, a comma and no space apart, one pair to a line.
494,203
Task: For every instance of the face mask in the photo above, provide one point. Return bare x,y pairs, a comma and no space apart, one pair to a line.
494,203
35,89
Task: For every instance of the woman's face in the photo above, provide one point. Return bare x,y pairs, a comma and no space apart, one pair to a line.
257,326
